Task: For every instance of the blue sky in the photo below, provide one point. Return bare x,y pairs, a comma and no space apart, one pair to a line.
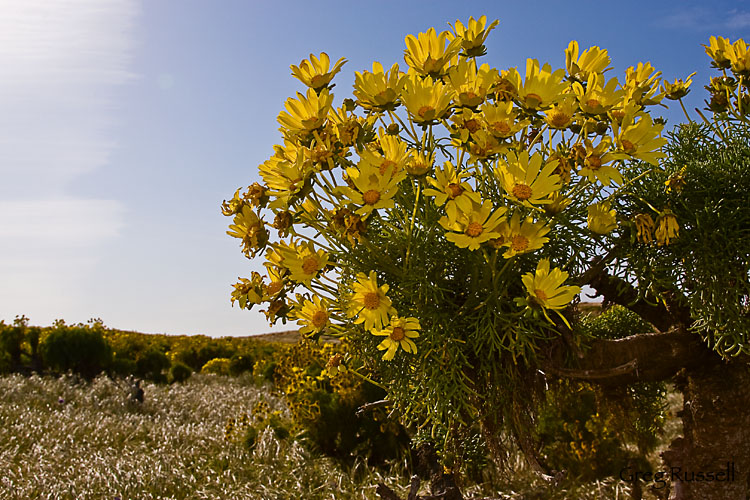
125,123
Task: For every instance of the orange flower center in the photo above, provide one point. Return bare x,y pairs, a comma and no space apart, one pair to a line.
594,162
397,334
519,243
533,100
310,265
319,319
371,197
497,242
386,165
560,119
540,294
522,192
424,110
501,128
455,190
593,103
471,125
474,229
618,115
628,146
371,300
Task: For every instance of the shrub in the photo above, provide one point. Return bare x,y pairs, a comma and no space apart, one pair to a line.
78,348
179,372
241,363
151,364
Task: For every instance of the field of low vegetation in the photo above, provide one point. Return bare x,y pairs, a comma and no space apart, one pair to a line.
249,419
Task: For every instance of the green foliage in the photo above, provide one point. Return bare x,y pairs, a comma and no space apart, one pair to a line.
179,372
151,365
705,184
79,348
240,363
615,322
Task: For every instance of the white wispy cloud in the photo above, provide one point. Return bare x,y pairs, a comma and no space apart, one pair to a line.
738,19
60,64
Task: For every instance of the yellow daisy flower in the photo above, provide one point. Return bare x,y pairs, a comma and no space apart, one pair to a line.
369,303
426,101
502,119
594,163
465,123
642,84
399,333
419,163
546,287
739,57
541,88
560,115
313,316
644,225
371,189
316,73
379,90
471,229
304,262
427,53
250,229
601,219
450,187
305,113
639,139
718,50
284,178
598,98
469,84
592,60
524,179
473,35
678,89
392,157
484,145
523,237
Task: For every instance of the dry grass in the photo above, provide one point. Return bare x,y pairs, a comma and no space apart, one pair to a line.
66,439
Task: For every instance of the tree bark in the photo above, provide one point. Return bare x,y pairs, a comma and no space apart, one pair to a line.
716,435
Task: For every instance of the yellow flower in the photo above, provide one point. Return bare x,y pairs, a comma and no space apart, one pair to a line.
639,139
560,115
502,119
451,187
465,123
644,224
597,98
678,89
393,159
474,35
642,84
739,58
313,316
419,163
305,113
250,229
469,84
427,53
595,161
546,287
557,203
315,72
601,219
592,60
426,101
719,49
485,145
541,88
379,90
523,237
667,228
399,333
248,292
283,177
369,302
371,189
304,262
528,181
471,229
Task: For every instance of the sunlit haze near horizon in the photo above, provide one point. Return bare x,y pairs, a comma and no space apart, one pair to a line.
124,124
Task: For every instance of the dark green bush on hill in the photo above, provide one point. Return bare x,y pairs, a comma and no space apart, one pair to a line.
79,348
